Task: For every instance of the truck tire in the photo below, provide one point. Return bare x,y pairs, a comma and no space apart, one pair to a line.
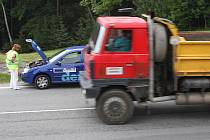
42,81
114,107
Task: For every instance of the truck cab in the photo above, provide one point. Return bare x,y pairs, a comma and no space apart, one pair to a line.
103,64
113,66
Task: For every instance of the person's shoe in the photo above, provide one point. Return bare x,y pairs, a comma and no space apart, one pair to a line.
16,88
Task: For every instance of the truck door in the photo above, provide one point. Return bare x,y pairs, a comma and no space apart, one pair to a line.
118,54
68,68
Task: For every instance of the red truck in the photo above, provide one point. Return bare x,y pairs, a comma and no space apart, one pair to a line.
149,69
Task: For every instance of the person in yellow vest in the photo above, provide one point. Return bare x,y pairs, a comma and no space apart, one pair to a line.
13,62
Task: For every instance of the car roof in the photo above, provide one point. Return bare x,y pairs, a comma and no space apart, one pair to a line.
75,47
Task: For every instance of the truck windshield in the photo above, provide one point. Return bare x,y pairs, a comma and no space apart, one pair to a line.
94,35
97,38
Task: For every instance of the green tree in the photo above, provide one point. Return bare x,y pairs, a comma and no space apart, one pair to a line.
83,30
44,25
61,34
107,7
56,23
187,14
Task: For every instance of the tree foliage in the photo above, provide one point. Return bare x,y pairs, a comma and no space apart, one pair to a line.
187,14
70,22
38,19
106,7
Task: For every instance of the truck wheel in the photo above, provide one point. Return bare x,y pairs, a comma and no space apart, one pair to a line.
114,107
42,81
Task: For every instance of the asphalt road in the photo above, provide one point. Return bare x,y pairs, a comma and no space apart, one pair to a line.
61,113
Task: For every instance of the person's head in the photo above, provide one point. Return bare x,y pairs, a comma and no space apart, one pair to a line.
123,33
16,47
120,33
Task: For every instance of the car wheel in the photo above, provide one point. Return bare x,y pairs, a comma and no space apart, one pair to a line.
42,81
114,107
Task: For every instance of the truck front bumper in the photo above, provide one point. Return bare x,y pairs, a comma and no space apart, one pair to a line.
92,88
87,87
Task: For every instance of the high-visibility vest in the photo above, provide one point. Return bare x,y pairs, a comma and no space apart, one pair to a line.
12,65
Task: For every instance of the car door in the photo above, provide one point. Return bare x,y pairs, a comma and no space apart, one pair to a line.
68,67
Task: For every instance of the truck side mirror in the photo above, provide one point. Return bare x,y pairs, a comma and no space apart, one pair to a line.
89,49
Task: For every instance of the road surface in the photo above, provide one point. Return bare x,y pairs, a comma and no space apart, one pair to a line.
62,113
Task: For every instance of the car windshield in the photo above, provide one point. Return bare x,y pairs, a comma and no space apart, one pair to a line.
57,55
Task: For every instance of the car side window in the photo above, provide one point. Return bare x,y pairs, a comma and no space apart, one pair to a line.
119,41
71,58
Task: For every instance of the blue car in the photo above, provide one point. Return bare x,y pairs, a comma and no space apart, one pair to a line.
63,67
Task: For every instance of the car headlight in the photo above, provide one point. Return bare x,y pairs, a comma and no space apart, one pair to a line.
25,70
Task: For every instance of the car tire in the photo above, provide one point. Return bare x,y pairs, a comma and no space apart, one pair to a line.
42,81
114,107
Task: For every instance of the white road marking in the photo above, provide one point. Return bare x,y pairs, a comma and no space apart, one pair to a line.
9,87
40,111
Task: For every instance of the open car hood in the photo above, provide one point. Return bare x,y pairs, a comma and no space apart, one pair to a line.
38,50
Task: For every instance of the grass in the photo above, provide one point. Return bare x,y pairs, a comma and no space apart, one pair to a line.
28,57
4,78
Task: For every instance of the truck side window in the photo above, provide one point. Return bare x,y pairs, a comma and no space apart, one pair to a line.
71,58
119,41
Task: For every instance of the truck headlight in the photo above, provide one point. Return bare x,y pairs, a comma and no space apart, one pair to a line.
83,91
